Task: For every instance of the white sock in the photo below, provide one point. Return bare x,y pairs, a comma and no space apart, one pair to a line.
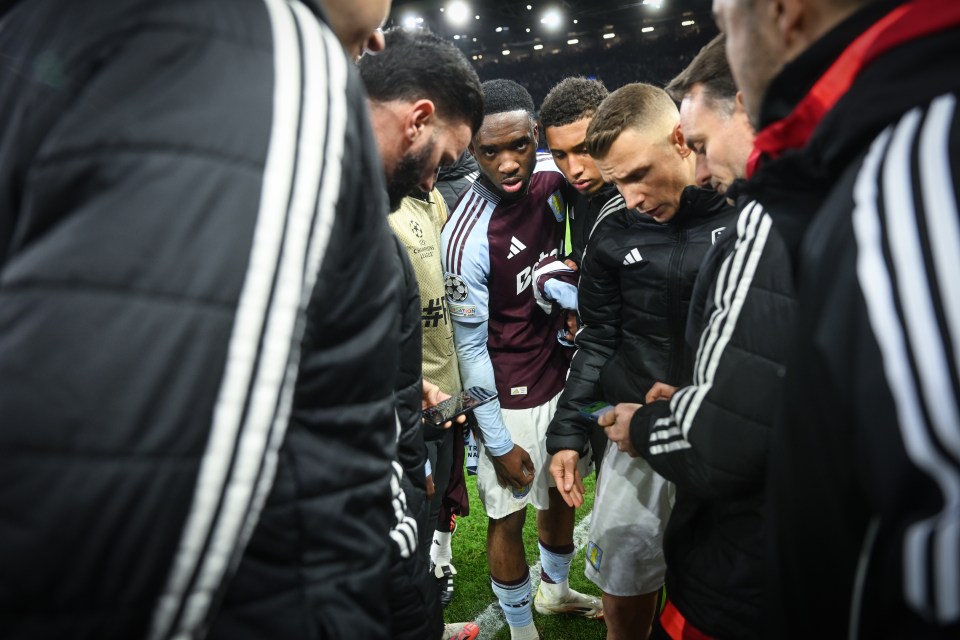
517,607
528,632
440,551
555,566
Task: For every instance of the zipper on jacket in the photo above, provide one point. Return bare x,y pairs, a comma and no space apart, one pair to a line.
675,309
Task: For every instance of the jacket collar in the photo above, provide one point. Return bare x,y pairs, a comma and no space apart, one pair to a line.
812,85
697,202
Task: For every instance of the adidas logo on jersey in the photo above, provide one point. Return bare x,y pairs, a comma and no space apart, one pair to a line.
515,247
632,258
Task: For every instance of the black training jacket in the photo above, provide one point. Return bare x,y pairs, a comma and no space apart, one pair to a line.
198,335
583,212
712,439
863,509
635,286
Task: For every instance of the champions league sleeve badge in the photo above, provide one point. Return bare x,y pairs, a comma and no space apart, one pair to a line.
455,287
557,205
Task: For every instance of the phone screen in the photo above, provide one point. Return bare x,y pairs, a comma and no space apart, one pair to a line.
454,406
595,410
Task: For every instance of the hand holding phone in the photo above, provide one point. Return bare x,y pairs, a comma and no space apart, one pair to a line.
594,411
458,405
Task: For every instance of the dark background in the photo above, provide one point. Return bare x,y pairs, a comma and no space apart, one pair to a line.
631,55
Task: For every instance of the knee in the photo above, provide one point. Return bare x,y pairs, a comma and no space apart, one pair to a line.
511,525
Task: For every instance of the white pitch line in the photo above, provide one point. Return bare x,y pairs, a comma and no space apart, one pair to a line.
491,619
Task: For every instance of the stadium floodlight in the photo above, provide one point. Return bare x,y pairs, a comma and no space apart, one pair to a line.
410,21
499,29
573,41
458,12
656,4
687,23
608,36
552,19
537,47
646,30
529,7
505,52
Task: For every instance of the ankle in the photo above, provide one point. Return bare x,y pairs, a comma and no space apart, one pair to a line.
526,632
555,591
440,551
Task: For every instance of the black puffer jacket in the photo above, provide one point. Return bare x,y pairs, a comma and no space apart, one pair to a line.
712,439
635,288
414,600
457,178
197,368
583,213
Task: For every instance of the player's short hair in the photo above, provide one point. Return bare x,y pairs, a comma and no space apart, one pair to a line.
501,96
418,64
710,69
570,100
634,106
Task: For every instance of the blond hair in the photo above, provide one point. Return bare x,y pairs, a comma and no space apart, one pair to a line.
634,106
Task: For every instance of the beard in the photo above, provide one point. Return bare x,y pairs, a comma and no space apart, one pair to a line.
407,174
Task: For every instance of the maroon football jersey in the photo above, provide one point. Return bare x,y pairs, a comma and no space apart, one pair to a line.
490,248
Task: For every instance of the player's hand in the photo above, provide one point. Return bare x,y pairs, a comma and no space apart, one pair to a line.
563,468
431,487
432,395
616,424
659,391
514,468
571,323
570,263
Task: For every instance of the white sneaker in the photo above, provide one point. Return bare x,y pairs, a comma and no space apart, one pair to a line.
576,603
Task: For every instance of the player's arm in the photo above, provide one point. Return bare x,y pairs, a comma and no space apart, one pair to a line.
569,433
712,436
512,463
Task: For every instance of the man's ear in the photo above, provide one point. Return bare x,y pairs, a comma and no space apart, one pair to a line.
421,113
676,137
536,134
739,111
796,22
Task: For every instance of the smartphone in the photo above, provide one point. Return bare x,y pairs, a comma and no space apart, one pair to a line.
458,405
595,410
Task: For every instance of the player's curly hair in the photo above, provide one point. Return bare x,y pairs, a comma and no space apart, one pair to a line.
501,95
570,100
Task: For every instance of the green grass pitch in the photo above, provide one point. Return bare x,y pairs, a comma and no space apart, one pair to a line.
473,597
